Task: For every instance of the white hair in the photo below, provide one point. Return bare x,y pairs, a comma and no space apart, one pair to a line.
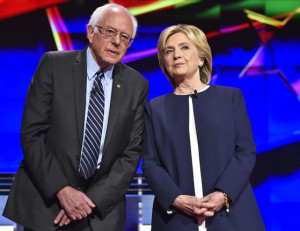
97,14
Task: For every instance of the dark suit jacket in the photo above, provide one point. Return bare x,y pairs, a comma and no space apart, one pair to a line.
52,134
227,156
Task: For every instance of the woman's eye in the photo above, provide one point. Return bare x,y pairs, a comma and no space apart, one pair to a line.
169,51
185,48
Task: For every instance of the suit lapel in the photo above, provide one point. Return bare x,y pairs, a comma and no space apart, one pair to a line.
80,75
116,101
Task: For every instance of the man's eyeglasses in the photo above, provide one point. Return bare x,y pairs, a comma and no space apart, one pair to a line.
111,33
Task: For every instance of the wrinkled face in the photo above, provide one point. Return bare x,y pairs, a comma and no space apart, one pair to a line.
106,50
181,57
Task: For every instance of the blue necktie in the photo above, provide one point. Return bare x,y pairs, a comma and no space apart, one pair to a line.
93,129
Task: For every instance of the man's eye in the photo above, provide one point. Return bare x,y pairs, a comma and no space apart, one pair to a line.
125,37
110,31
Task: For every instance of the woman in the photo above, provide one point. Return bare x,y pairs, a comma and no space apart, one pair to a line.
198,145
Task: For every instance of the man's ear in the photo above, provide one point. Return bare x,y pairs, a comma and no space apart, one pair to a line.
90,33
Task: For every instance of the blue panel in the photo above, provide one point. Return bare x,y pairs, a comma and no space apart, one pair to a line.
278,201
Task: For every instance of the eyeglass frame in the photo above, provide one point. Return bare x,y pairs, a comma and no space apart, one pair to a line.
103,31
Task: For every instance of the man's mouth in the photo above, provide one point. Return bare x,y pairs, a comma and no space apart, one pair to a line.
113,52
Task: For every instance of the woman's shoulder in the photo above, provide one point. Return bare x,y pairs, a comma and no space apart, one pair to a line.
154,102
225,90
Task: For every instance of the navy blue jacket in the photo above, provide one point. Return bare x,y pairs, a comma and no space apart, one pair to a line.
227,156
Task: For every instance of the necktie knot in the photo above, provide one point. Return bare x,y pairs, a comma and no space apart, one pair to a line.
99,74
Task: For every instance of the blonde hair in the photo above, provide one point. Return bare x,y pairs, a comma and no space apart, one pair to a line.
198,38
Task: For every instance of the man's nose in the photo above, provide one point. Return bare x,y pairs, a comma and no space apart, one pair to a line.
116,39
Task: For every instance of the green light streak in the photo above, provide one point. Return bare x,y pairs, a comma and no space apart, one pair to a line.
265,20
57,41
271,21
213,12
278,7
248,4
154,6
187,3
53,29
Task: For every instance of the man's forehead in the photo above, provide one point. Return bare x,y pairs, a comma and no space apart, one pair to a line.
113,17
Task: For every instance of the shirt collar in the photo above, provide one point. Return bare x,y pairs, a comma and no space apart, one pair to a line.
92,67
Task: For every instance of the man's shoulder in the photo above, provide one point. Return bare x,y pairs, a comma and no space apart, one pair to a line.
121,67
129,73
63,58
62,54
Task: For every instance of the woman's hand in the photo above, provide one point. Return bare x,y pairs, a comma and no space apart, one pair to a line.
190,205
213,202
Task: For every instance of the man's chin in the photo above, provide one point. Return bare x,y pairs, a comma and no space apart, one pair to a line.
113,60
106,63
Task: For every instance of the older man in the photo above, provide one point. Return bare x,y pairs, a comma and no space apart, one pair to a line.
81,132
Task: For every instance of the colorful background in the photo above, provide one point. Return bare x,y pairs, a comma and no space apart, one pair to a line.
255,46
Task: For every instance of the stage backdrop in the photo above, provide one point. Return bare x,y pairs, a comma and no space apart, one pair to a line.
255,45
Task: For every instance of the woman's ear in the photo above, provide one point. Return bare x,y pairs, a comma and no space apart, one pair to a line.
201,61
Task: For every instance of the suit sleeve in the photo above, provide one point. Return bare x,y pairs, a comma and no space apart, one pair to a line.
39,160
162,185
111,187
236,174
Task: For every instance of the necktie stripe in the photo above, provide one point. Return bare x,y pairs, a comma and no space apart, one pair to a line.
98,103
94,125
96,112
99,84
102,96
87,162
93,129
94,120
90,147
96,106
90,138
84,169
90,151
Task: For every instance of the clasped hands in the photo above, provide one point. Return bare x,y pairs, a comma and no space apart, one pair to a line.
75,206
200,208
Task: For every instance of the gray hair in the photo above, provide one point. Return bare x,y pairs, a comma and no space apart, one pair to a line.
97,14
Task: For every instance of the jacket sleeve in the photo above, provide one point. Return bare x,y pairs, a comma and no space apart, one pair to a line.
39,160
162,185
235,176
110,188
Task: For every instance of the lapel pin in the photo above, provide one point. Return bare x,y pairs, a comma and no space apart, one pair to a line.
118,86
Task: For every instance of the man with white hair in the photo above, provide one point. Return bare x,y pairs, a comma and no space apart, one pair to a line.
81,132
